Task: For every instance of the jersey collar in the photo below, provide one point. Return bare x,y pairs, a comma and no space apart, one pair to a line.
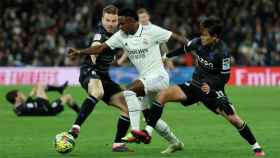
103,30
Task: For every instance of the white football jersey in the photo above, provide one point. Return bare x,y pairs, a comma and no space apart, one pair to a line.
142,48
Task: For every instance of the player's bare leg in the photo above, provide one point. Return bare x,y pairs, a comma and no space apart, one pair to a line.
40,92
118,102
123,124
70,102
95,92
172,94
242,127
33,91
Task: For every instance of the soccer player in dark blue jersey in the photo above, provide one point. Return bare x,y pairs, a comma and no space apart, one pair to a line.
95,79
207,85
38,103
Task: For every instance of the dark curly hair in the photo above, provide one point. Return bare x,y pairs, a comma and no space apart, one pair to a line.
213,24
11,95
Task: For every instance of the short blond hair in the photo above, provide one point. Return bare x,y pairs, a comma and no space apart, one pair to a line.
110,9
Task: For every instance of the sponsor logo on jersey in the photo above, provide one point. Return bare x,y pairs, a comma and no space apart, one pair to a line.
204,62
137,53
97,37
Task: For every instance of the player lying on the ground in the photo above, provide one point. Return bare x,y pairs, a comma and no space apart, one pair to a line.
207,85
142,47
38,104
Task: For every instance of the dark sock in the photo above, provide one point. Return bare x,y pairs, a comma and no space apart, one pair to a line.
122,128
246,133
155,114
53,88
75,107
146,114
87,107
59,89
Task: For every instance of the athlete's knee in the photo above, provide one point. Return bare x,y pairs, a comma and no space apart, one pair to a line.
137,87
125,113
119,102
161,98
225,106
96,91
235,120
40,87
69,97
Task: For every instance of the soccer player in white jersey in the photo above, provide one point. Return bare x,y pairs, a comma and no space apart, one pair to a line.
142,47
144,20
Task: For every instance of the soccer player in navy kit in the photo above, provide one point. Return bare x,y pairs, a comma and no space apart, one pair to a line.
207,85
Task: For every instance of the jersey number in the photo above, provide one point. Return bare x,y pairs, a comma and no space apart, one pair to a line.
220,94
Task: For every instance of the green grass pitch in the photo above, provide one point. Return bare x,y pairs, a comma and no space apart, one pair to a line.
205,135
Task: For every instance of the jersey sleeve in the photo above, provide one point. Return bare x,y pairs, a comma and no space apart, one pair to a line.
224,69
191,45
160,35
22,110
225,60
115,41
97,37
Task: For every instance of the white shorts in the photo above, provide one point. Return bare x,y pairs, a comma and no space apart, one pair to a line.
154,83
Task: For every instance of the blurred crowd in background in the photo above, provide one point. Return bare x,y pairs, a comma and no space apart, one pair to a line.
39,32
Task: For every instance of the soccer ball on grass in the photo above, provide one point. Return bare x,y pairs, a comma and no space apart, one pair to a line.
64,142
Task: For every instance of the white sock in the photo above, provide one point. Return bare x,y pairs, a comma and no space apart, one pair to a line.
117,144
134,109
163,130
149,129
76,126
256,146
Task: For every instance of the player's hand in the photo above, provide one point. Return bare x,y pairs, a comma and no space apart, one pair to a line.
205,88
72,53
168,64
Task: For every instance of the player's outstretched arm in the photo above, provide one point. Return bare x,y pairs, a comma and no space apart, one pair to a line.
179,38
122,59
190,46
93,50
176,52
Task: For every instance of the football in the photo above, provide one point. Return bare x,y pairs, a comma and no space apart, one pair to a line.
64,142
